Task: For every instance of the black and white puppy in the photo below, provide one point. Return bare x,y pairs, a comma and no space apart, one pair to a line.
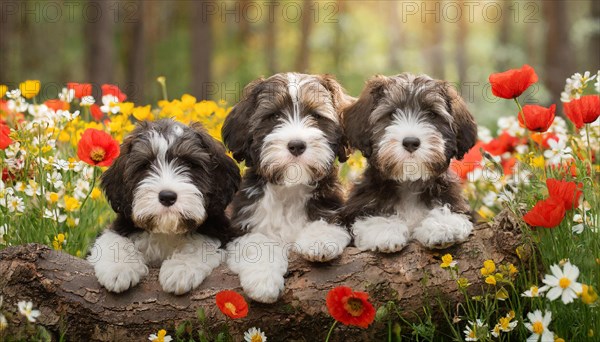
169,187
287,129
409,128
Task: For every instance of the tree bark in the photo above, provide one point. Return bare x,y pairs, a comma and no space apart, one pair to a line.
135,52
202,46
100,50
65,289
303,55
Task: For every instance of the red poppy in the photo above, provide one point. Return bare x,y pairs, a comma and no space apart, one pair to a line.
5,140
568,192
584,110
81,89
547,213
57,105
232,304
512,83
109,89
96,112
508,165
469,163
537,118
350,308
97,148
502,144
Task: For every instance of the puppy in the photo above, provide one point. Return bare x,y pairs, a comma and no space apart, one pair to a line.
287,129
409,128
169,188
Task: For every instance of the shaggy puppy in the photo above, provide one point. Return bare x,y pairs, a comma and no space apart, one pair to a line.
169,188
409,128
287,129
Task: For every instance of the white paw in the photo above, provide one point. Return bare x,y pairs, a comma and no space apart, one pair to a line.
179,277
119,277
442,228
262,286
381,234
321,241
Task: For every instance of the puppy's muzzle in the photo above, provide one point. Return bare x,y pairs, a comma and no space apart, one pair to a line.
411,144
167,197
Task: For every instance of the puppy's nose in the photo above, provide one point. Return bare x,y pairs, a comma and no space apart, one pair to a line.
297,147
411,144
167,198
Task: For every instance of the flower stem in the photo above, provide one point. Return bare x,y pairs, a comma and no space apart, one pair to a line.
521,114
330,331
163,86
94,176
589,148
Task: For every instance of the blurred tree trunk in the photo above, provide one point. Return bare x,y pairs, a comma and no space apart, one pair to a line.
100,46
271,44
338,47
395,36
303,55
434,38
559,53
5,33
504,36
135,52
201,52
594,43
461,47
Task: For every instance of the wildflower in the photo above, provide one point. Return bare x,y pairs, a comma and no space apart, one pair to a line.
59,241
568,192
538,325
475,330
512,83
489,267
588,295
490,280
55,215
562,283
55,178
575,86
15,204
95,194
26,309
110,104
113,90
350,308
30,88
3,230
232,304
505,142
448,261
584,110
471,160
463,283
143,113
97,148
537,118
533,292
71,203
254,335
547,213
57,105
80,90
558,151
502,294
3,90
161,336
5,139
505,324
96,112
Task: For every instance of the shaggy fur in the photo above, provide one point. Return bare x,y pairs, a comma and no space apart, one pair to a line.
409,128
287,129
169,187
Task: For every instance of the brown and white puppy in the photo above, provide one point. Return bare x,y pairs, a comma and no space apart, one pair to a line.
169,187
409,128
287,129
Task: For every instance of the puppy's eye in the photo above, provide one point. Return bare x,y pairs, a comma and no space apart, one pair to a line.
276,116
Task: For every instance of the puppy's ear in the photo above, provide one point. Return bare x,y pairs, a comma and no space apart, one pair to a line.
225,172
356,116
341,100
235,132
464,125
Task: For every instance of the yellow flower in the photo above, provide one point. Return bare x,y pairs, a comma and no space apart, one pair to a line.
53,197
447,261
59,241
96,193
71,203
588,295
30,88
161,336
489,267
558,339
463,283
3,90
512,270
485,212
502,294
126,108
490,280
72,222
187,101
538,162
143,113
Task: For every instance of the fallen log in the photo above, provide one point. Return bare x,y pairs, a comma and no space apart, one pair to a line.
73,304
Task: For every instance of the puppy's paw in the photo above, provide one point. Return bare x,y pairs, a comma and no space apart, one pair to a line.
179,277
119,277
442,229
321,241
262,286
381,234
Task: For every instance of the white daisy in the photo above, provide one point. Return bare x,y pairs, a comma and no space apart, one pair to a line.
88,101
55,179
110,104
26,309
160,336
254,335
474,331
533,292
562,283
61,164
55,215
538,325
68,115
15,204
67,95
558,151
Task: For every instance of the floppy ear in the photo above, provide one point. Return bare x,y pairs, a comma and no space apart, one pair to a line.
226,174
464,125
235,132
341,100
356,116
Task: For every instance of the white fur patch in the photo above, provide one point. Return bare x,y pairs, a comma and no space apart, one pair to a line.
378,233
442,228
321,241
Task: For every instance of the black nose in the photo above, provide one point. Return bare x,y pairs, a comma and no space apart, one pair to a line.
167,198
297,147
411,144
